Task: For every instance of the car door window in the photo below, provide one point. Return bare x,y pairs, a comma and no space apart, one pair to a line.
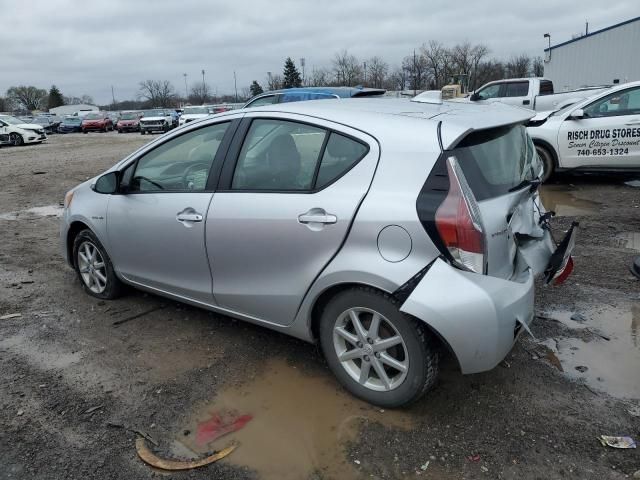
266,100
278,155
339,156
625,102
516,89
492,91
180,164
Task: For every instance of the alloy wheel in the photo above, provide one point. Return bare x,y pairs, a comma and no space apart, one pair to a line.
92,267
370,349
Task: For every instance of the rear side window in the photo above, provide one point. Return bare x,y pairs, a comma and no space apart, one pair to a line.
302,96
266,100
546,87
516,89
498,160
340,155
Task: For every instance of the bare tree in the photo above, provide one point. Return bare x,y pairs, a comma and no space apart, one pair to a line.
347,69
417,71
6,104
437,60
377,70
537,67
397,80
518,66
275,82
478,53
159,93
29,97
319,77
200,93
245,93
489,71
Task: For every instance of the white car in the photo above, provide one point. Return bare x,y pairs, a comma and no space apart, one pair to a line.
156,120
193,113
21,133
600,133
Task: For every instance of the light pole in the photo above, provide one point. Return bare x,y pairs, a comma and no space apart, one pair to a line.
204,89
186,91
302,63
548,37
235,85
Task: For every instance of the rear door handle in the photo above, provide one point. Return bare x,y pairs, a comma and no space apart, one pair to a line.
317,216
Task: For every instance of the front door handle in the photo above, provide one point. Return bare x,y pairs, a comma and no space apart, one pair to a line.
188,216
317,215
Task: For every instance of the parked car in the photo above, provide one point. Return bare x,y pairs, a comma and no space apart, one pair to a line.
70,125
601,133
534,93
96,121
49,124
21,133
4,138
156,120
128,122
190,114
386,230
311,93
114,116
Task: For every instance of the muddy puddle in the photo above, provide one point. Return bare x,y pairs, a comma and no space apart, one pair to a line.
299,427
602,349
562,200
44,211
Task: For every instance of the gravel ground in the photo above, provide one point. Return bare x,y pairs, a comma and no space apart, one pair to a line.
534,417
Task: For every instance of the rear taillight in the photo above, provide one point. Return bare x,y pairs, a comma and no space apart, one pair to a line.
459,224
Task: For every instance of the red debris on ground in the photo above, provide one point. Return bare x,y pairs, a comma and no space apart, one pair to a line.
219,425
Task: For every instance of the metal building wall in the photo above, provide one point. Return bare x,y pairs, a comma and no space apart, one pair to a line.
596,59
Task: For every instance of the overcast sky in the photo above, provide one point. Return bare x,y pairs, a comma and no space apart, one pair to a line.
85,47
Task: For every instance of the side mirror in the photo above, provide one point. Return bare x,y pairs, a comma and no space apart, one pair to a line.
474,97
577,114
107,183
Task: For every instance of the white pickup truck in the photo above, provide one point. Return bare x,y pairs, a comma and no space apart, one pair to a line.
534,93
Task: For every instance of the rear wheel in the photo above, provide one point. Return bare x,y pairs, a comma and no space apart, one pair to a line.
84,131
94,267
546,157
16,139
378,353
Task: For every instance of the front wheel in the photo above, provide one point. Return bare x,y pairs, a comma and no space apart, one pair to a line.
16,139
377,352
546,157
94,267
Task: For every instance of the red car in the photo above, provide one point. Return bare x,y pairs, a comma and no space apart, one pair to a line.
99,121
128,122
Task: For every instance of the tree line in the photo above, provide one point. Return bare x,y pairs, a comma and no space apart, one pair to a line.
429,67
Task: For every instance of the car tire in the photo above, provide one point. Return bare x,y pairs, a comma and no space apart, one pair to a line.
94,268
85,131
141,132
16,139
356,361
546,157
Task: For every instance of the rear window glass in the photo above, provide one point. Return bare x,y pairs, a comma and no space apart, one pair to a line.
546,87
498,160
341,154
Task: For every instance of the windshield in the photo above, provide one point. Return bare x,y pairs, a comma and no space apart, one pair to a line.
563,110
195,110
128,116
93,116
154,113
497,160
11,120
72,121
41,119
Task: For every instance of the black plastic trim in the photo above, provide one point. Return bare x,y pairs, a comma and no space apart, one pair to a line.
404,291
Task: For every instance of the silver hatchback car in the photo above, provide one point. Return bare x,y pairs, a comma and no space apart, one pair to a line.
390,231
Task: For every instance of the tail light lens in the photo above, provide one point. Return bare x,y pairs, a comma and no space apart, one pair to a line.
459,223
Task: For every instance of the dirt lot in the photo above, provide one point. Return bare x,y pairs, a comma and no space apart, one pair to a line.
68,371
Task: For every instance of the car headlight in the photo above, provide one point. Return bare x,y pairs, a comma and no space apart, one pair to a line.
68,198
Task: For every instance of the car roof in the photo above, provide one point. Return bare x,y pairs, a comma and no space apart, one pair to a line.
376,115
342,92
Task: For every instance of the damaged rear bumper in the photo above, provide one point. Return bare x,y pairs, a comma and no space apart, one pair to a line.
479,316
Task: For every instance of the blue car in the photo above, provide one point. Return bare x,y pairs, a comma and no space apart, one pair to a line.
311,93
70,125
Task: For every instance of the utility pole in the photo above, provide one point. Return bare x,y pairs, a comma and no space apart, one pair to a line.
204,89
186,90
269,77
302,63
365,74
113,98
235,85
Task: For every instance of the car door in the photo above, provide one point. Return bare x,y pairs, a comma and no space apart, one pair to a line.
290,188
516,93
608,135
155,225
